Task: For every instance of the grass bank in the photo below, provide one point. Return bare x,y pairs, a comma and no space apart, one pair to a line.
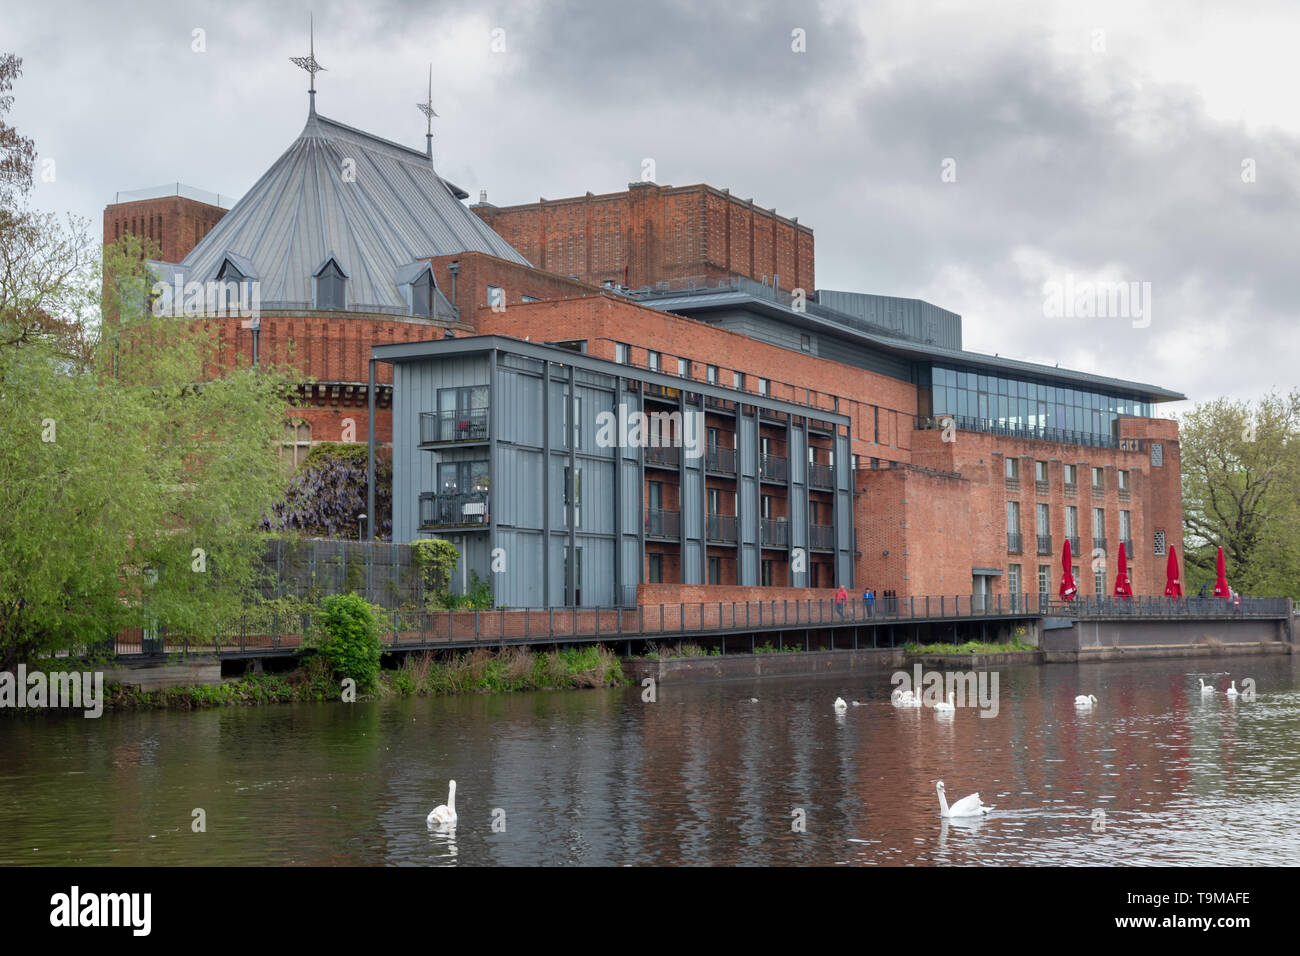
480,671
970,647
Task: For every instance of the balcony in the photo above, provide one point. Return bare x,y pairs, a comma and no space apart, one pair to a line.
720,459
663,457
1015,544
1125,494
1071,490
720,528
773,467
1074,543
1099,491
774,532
821,537
447,428
1127,544
1042,487
1013,484
1044,544
820,476
1099,541
454,510
663,524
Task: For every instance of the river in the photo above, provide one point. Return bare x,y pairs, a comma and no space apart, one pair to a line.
700,776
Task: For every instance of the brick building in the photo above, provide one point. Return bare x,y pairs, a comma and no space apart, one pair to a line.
961,472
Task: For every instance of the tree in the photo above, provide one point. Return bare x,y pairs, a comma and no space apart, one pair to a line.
17,153
1241,492
327,496
131,486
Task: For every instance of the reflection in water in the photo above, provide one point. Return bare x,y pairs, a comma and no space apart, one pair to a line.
734,773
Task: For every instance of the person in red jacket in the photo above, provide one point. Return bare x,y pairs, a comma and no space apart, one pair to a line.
841,598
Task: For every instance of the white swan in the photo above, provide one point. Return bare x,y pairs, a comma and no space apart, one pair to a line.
1085,702
965,807
857,703
1232,691
444,816
946,706
900,697
1205,688
840,706
911,700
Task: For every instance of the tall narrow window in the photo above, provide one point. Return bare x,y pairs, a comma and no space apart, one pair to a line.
331,287
422,295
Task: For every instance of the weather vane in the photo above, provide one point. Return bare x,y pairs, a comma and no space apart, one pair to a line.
427,109
309,63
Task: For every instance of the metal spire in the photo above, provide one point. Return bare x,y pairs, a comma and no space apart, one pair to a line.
309,63
427,109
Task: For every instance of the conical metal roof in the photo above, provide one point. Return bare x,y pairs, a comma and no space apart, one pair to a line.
373,205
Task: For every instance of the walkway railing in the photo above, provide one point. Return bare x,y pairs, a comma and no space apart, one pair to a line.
261,631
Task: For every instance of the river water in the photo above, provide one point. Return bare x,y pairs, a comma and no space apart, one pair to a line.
700,776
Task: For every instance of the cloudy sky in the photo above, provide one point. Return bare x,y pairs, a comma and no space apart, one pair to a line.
1100,141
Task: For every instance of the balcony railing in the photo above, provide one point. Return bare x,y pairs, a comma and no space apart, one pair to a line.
454,510
1099,491
1074,543
820,476
1099,541
774,532
821,537
1014,542
1125,494
663,456
1042,487
1044,544
663,524
1071,489
773,467
1013,484
720,528
1128,546
720,459
993,427
437,428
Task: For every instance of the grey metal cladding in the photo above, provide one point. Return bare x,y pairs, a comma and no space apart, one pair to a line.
386,210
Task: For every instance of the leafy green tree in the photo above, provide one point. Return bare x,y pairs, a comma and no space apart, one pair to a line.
1241,491
350,643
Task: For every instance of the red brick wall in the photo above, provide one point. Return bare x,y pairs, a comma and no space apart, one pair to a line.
651,233
174,222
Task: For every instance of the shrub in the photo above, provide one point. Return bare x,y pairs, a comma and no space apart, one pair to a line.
349,640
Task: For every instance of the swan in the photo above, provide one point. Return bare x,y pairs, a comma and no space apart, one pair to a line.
946,706
1232,691
913,700
1205,688
1085,702
965,807
857,703
444,816
840,706
899,697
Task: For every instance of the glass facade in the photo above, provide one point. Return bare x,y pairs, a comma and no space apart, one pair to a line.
981,402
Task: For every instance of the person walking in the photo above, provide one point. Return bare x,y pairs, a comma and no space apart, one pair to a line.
841,598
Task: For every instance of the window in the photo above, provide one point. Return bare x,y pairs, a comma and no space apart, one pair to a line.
767,572
1013,517
739,379
1099,523
296,442
805,342
422,294
715,501
711,375
1040,471
463,413
1123,480
331,287
496,297
684,367
622,353
576,573
529,298
577,497
1044,579
656,568
762,386
1071,521
767,506
1071,474
715,570
1157,455
1013,467
1098,477
1126,526
232,281
576,417
1044,520
875,424
1099,580
463,477
1159,541
652,361
1013,579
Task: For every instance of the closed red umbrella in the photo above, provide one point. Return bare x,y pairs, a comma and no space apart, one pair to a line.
1068,588
1173,587
1123,586
1221,589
